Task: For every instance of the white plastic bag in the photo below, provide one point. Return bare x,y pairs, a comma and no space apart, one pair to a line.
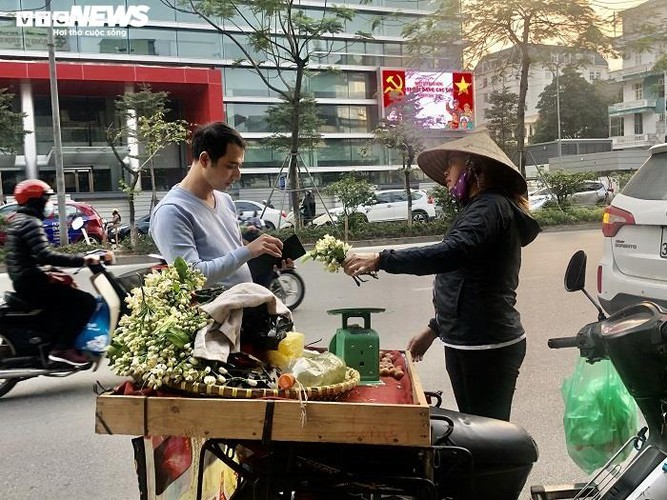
317,369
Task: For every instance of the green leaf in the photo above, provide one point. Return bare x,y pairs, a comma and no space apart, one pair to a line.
182,268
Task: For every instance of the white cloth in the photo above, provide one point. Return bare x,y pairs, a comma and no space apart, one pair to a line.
216,341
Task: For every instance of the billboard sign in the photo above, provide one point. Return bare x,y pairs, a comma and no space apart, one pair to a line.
446,99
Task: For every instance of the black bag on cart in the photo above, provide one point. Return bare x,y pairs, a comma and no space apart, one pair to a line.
262,330
479,458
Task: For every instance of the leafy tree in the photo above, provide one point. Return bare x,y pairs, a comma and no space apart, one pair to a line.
583,111
11,124
501,118
403,131
444,199
487,24
564,184
276,37
352,190
151,131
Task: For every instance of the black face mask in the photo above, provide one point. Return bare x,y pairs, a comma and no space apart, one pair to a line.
35,207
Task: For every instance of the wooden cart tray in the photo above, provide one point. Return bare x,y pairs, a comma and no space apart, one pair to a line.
244,419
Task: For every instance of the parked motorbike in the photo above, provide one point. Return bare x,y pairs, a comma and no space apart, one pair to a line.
285,284
25,340
635,340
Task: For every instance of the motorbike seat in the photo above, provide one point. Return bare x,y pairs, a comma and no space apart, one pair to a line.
489,440
13,301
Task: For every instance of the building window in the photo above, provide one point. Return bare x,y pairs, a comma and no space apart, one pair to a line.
638,89
616,126
639,123
661,86
247,117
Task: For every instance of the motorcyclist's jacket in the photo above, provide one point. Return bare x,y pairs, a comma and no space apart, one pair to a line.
477,272
27,248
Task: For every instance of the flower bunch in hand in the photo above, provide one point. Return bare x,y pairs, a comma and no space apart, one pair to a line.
330,251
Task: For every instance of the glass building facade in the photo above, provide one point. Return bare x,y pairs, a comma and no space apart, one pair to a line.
347,97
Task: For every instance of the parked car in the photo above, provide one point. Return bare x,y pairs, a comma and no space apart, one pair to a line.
143,225
272,218
634,260
92,222
588,193
392,205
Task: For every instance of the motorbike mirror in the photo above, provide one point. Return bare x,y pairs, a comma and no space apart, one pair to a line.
77,223
575,276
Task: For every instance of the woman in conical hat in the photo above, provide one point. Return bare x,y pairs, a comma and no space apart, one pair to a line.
476,267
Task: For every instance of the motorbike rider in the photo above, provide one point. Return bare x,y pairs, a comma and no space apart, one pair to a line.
68,309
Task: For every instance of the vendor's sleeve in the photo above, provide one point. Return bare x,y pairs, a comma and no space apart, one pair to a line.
476,229
173,235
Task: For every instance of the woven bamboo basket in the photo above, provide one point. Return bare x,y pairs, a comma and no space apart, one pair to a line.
327,392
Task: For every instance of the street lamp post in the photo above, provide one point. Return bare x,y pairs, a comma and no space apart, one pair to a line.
560,145
57,140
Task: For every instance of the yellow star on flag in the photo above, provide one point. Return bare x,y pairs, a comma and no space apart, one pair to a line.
463,85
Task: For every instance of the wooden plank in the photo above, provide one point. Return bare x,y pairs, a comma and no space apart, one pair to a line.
120,415
206,417
326,422
417,389
400,425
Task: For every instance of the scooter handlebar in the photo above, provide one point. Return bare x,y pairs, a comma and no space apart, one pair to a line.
564,342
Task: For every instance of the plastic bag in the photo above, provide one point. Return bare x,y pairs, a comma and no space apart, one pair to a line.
600,415
289,350
95,337
317,369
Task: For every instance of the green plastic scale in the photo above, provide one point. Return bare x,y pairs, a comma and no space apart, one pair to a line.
358,346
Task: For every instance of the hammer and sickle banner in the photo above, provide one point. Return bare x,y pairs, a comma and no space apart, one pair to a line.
446,99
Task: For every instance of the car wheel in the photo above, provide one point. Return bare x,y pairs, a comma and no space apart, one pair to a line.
419,216
269,225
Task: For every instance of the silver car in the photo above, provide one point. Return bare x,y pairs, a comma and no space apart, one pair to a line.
634,261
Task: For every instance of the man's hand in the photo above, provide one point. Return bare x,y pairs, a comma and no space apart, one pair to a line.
266,244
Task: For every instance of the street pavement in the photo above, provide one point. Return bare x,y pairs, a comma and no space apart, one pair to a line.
50,449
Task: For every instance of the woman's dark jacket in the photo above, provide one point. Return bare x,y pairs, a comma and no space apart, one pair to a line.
27,248
477,271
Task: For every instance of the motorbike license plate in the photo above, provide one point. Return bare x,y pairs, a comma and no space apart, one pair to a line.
663,243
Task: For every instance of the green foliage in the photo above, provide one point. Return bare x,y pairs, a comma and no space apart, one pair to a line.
563,184
352,190
447,203
583,110
279,117
501,118
622,177
11,124
570,215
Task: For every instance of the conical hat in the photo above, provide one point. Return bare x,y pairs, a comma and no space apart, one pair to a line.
434,161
